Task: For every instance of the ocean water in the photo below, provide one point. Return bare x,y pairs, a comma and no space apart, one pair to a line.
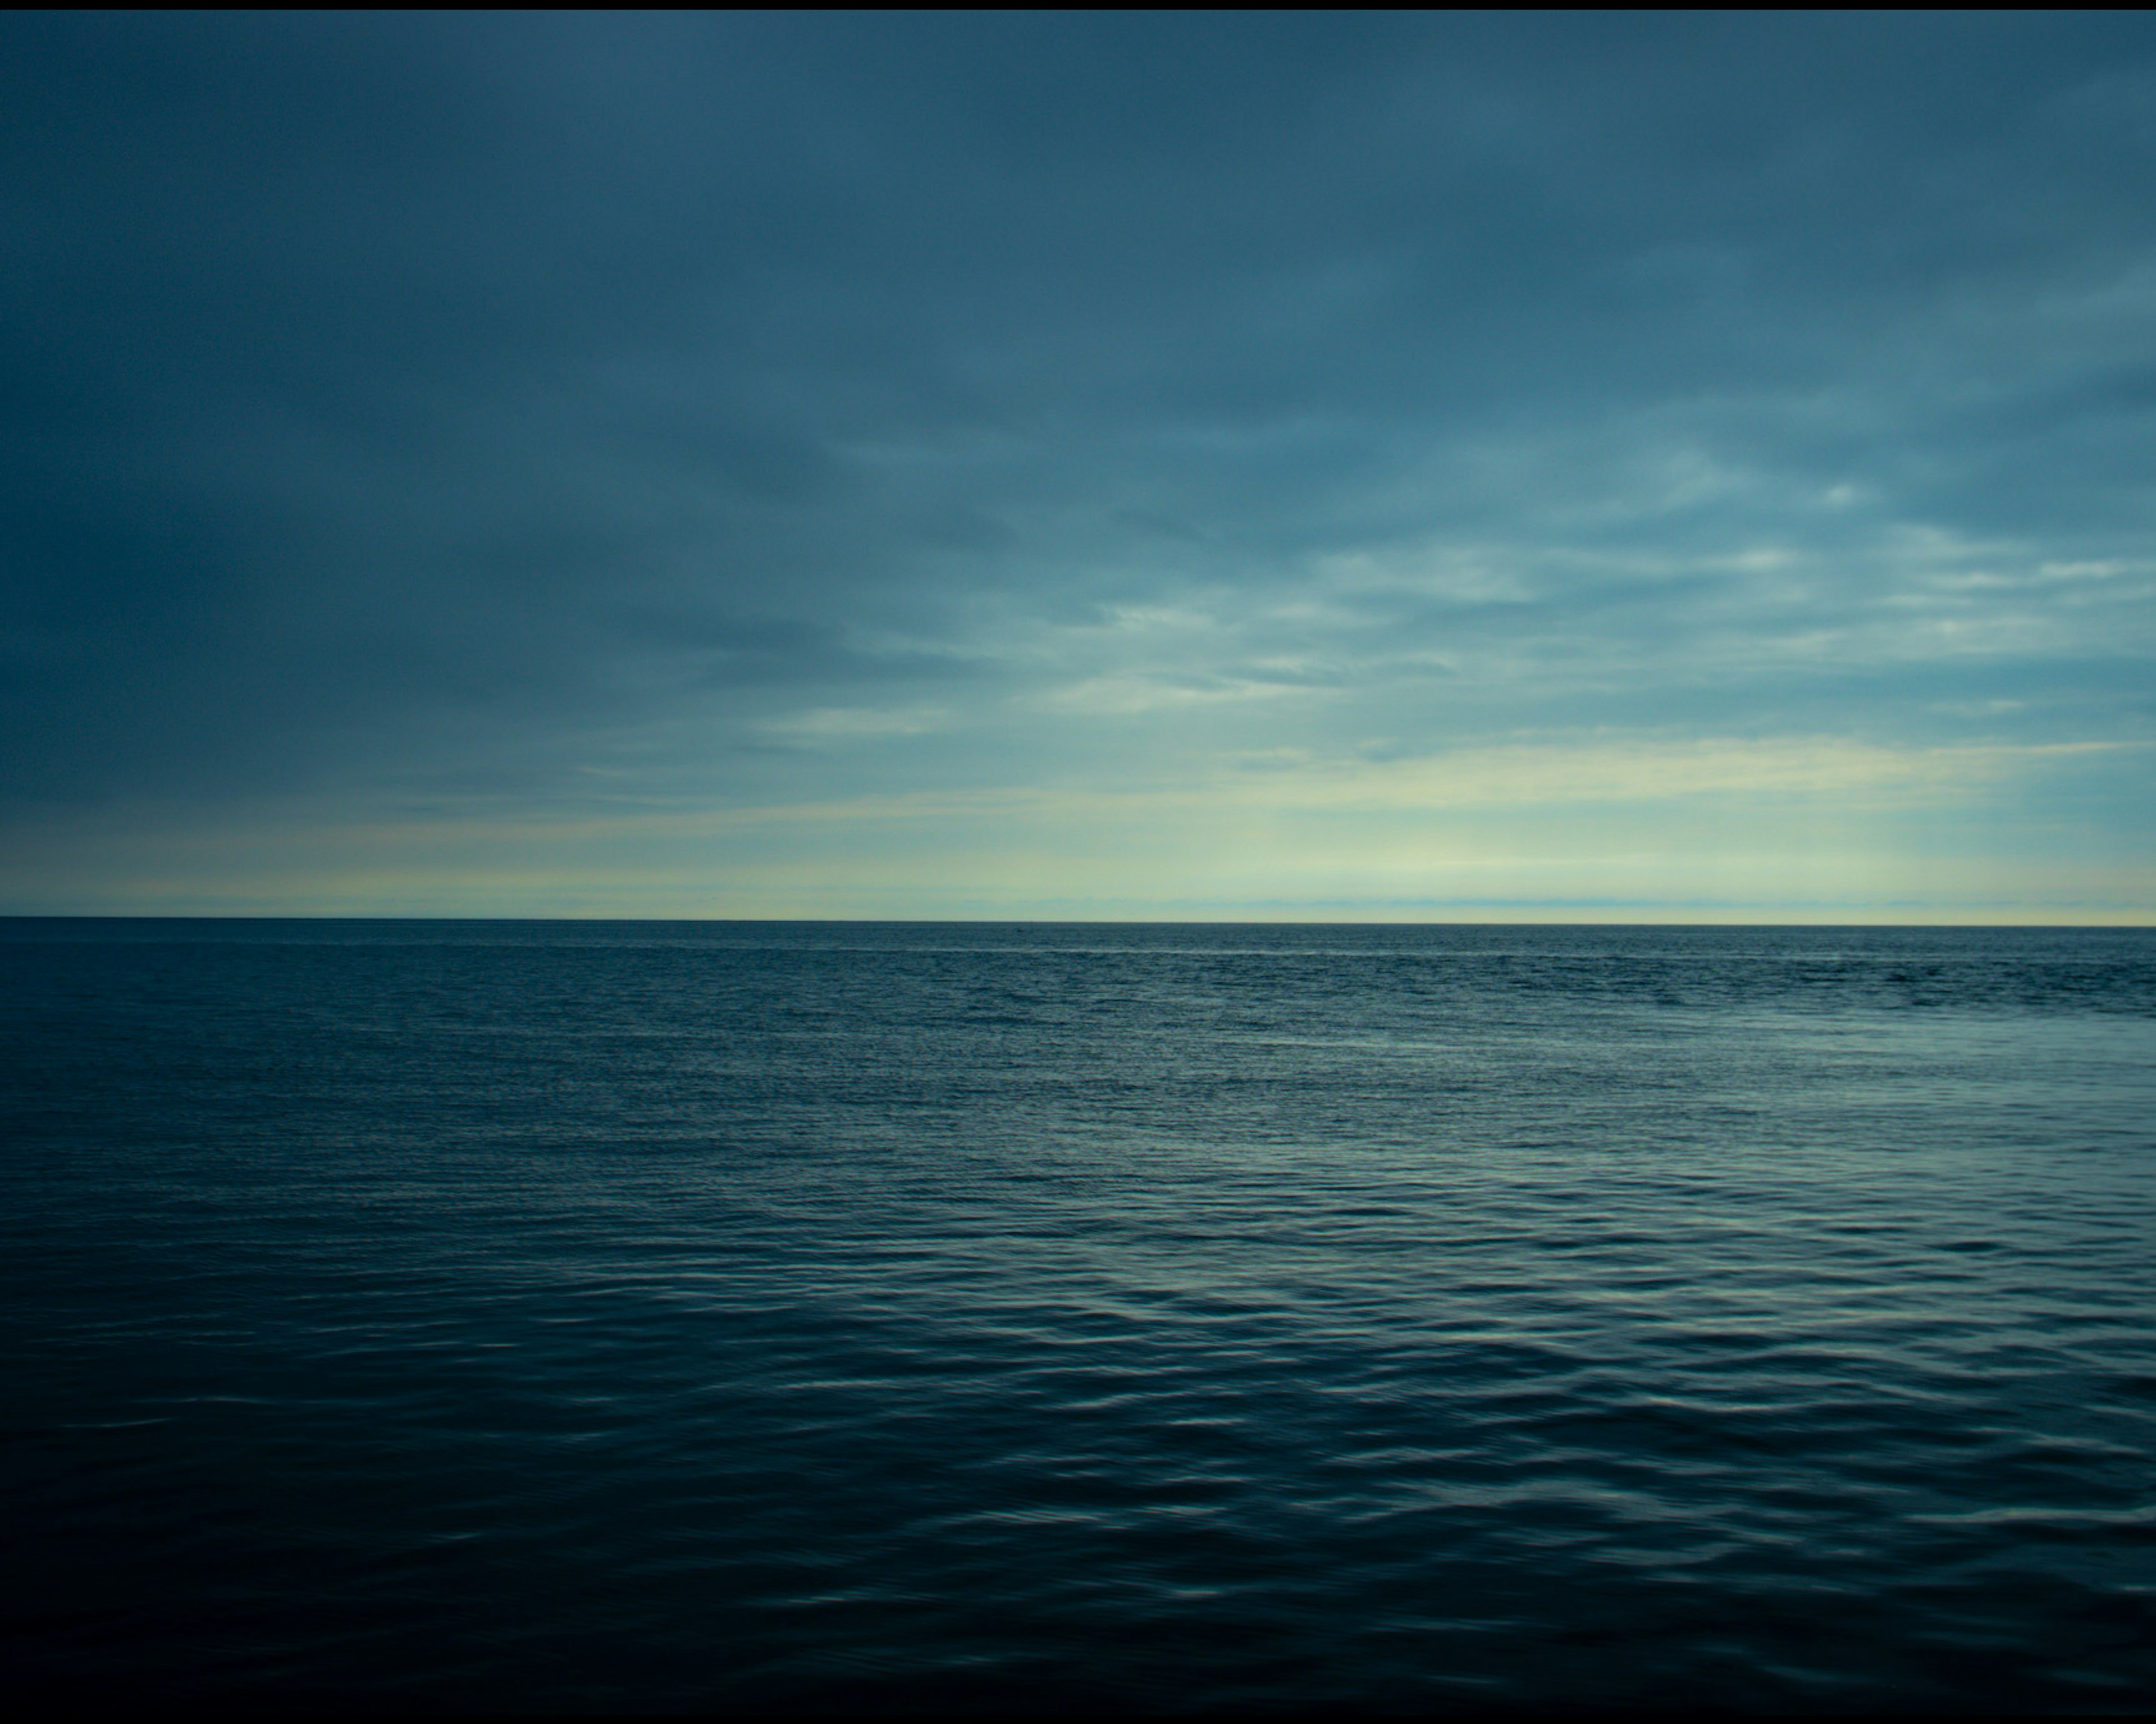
670,1317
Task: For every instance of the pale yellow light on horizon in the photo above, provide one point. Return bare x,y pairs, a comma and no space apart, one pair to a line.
1802,830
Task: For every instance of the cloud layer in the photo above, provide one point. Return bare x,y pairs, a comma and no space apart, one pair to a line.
648,426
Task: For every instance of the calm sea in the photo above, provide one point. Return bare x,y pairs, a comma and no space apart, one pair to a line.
534,1316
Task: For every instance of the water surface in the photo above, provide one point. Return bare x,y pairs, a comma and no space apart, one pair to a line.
672,1316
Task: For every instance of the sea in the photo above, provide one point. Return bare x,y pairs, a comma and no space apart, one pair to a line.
846,1317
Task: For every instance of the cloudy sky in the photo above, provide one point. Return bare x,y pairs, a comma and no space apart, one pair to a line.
1270,466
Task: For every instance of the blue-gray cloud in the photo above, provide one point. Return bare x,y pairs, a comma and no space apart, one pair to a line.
723,404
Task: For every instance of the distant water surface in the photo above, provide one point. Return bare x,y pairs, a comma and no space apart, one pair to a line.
534,1316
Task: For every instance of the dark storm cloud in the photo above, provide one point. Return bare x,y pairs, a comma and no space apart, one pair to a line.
398,394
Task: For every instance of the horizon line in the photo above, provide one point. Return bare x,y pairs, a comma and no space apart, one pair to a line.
2137,926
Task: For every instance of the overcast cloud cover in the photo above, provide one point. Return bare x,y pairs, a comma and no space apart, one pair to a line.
1206,465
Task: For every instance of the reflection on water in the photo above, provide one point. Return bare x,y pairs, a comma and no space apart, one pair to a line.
575,1316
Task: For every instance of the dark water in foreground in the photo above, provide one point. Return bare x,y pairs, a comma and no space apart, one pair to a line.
533,1316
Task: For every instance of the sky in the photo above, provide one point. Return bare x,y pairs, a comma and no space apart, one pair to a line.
1265,467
